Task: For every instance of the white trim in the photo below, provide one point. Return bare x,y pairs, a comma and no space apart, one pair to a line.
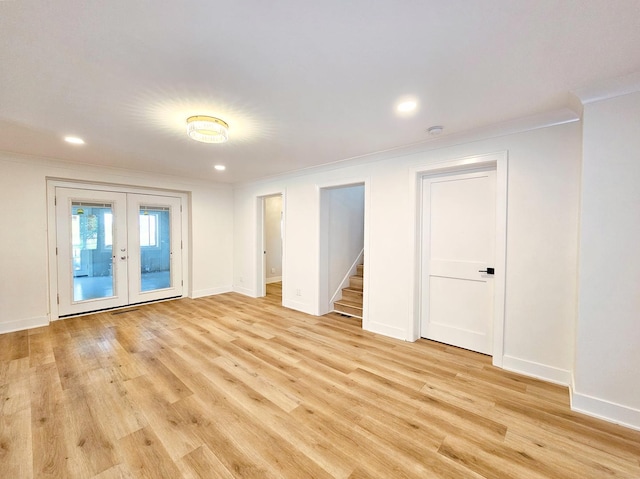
260,266
274,279
500,281
499,161
537,370
299,306
345,314
602,409
244,291
22,324
125,175
386,330
323,306
97,186
611,88
546,119
200,293
366,280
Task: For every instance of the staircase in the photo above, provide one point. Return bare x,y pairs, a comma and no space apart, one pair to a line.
351,302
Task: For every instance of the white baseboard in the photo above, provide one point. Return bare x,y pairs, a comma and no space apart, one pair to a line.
385,330
22,324
274,279
582,403
299,306
537,370
246,291
602,409
211,291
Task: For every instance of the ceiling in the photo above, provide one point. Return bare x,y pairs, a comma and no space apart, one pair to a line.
300,83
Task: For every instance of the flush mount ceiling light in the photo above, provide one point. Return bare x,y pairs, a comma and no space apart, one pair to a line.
207,129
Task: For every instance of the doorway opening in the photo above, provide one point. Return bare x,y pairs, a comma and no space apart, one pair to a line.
342,237
272,246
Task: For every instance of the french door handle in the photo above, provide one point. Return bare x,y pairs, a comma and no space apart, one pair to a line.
123,257
488,271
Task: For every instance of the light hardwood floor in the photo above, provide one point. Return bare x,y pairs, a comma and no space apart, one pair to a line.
229,386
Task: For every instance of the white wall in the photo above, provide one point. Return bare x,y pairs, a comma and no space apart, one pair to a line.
543,201
607,366
273,237
24,295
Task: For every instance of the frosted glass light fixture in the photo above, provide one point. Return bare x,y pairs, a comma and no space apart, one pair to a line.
207,129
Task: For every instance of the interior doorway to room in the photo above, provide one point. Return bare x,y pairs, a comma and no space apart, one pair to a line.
458,258
342,218
115,249
272,245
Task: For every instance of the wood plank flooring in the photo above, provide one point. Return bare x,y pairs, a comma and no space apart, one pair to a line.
233,387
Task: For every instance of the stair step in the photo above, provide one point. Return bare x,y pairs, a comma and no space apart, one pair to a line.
348,307
352,294
356,282
359,270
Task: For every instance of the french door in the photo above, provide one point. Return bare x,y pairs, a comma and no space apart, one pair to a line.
115,249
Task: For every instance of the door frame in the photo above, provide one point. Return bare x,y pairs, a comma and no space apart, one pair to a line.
260,261
261,286
324,294
499,161
53,183
322,290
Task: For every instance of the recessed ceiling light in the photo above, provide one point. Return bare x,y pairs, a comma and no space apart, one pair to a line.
220,167
407,106
74,139
435,130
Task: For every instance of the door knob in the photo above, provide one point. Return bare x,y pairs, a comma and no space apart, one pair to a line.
488,271
123,257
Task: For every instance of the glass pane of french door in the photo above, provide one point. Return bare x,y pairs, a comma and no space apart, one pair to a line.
91,245
155,247
155,271
91,250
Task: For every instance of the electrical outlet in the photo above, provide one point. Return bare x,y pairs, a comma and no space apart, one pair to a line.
298,292
273,270
241,280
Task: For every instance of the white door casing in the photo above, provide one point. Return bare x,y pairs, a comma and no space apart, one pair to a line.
458,242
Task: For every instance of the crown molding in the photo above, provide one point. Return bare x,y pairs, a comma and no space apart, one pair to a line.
546,119
609,88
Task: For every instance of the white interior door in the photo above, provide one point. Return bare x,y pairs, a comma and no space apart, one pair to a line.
115,249
458,253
